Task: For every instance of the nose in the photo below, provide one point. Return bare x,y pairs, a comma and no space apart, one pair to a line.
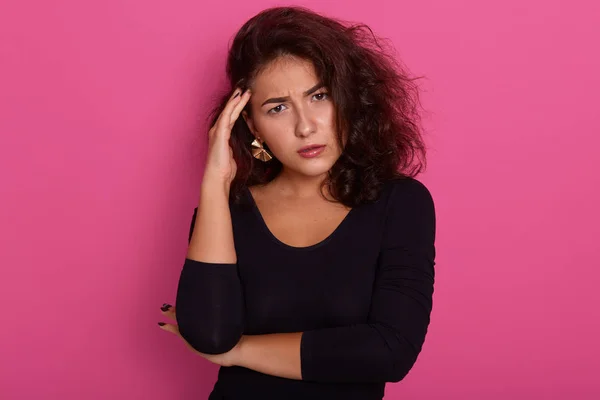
305,124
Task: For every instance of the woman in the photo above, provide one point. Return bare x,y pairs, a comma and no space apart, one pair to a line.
310,268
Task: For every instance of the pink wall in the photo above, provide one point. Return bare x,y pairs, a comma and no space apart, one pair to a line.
100,163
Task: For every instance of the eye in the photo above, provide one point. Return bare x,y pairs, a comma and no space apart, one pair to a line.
320,96
276,110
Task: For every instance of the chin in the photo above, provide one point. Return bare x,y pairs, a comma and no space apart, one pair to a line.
314,170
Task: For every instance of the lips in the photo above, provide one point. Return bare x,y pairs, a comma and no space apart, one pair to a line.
311,151
311,147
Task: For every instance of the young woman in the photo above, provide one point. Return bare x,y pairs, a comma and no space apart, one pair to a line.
310,267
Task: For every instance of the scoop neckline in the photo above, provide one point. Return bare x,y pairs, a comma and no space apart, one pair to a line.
275,239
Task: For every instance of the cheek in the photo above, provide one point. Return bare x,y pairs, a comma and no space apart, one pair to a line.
325,116
265,127
274,131
327,121
280,144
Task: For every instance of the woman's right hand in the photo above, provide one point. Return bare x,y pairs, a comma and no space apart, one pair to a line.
220,166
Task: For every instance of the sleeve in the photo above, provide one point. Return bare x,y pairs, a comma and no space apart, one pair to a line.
385,348
209,304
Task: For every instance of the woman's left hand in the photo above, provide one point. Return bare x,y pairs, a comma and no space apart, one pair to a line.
225,359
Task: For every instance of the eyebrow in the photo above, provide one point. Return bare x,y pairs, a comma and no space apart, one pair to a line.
284,99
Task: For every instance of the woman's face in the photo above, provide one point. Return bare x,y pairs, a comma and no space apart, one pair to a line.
293,114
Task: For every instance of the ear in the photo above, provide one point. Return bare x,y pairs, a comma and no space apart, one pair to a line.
249,122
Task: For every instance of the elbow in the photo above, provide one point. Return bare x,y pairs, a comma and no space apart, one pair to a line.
400,369
209,307
403,351
402,359
208,339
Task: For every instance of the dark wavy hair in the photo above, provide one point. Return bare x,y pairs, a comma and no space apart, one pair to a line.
375,99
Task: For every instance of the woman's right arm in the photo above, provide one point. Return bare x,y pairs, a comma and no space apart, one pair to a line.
209,299
212,237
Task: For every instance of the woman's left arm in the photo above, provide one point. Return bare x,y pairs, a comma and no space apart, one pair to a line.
386,347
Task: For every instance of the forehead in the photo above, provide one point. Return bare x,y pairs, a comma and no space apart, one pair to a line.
283,76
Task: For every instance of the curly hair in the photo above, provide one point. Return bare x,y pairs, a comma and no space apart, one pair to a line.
375,99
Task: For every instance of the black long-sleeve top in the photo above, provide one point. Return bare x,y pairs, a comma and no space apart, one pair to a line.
362,297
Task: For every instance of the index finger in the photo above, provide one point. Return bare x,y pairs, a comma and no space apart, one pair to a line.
233,100
235,113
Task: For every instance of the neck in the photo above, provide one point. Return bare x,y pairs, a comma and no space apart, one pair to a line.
299,186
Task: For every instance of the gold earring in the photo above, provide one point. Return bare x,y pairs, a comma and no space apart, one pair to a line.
259,152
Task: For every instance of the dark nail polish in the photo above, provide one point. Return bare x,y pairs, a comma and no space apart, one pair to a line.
161,324
165,307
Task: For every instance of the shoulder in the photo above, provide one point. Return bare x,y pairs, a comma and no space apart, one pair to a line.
409,205
407,192
409,212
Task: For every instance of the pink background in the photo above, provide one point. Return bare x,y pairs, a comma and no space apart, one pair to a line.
101,107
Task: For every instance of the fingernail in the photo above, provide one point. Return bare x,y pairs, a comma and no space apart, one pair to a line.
161,324
236,95
165,307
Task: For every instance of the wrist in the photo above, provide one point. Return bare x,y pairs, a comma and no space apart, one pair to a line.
211,186
237,356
